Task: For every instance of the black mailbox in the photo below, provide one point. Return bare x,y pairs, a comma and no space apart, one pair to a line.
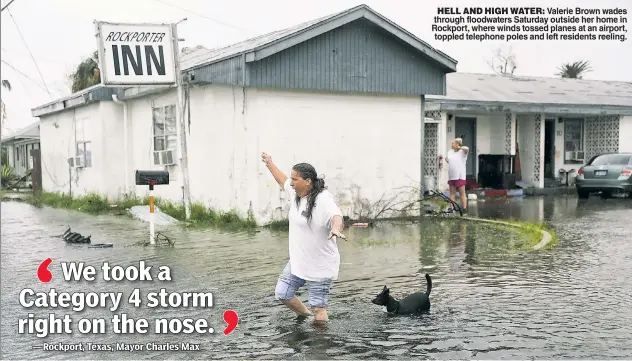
152,177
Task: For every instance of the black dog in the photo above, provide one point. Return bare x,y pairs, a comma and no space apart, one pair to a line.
413,303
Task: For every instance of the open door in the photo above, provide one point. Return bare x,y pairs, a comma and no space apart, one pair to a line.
465,128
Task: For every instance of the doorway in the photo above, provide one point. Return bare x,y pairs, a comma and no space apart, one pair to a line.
465,128
549,149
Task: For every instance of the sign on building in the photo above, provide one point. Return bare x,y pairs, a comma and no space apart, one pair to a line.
135,54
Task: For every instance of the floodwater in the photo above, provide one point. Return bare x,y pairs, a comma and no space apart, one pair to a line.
489,301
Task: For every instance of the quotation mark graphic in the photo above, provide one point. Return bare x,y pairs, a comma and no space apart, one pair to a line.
232,319
43,273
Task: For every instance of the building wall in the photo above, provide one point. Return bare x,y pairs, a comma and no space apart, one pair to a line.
526,146
625,133
364,145
58,143
356,57
10,154
601,134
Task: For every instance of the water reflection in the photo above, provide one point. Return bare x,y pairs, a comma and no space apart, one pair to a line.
488,300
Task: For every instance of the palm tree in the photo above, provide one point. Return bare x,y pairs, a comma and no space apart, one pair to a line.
87,74
6,85
574,70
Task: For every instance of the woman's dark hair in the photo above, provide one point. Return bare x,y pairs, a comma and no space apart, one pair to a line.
307,171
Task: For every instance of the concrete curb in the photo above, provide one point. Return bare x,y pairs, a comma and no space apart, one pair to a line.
546,236
493,193
519,192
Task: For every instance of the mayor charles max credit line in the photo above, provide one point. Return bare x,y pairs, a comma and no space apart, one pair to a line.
120,346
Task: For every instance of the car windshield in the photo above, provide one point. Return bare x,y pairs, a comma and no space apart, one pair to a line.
612,159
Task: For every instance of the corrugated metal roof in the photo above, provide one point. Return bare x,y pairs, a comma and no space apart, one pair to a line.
513,89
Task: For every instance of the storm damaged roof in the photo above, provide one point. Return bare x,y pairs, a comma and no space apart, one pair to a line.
492,88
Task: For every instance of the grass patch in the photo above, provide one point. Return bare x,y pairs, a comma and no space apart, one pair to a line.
278,225
94,203
533,233
529,232
525,235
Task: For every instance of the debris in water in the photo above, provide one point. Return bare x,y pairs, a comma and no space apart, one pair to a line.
101,245
160,218
73,237
161,240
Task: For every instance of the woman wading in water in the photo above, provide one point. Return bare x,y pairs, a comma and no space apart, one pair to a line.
315,226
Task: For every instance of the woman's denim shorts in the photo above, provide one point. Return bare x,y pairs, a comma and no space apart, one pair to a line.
288,284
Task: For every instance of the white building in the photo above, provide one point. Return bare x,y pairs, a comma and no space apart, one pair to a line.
557,123
344,93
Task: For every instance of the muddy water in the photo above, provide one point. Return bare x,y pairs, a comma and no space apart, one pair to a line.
489,301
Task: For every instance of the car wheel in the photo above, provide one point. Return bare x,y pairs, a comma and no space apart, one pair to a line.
583,194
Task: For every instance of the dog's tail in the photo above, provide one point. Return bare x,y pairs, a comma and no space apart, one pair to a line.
428,284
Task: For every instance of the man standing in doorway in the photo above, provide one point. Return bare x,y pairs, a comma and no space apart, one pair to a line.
457,171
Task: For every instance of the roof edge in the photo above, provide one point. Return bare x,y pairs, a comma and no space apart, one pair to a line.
86,96
521,107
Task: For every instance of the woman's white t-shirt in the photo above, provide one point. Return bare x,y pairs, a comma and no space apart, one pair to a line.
457,164
313,257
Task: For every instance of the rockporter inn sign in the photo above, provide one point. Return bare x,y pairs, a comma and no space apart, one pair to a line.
136,54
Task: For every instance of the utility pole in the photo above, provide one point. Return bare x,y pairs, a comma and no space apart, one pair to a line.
1,126
7,5
184,160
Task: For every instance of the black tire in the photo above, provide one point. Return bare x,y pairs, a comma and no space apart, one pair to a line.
583,194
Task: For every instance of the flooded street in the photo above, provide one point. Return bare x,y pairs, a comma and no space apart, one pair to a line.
488,301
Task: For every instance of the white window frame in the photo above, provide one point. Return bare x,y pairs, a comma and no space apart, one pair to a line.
576,144
164,137
83,147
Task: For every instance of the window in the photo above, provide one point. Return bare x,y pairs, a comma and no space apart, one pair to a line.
165,134
22,156
83,147
573,139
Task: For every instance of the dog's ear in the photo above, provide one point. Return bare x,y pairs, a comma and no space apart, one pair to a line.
384,289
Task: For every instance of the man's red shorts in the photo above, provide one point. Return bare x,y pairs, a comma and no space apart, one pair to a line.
457,182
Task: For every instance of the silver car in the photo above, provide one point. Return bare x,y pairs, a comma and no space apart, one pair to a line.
605,173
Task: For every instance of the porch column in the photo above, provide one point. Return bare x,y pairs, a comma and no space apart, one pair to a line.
442,176
538,154
510,133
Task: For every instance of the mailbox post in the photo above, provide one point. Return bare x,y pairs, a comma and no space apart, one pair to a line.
152,178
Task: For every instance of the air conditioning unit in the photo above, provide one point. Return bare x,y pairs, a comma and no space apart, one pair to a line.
71,162
164,157
79,162
575,155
